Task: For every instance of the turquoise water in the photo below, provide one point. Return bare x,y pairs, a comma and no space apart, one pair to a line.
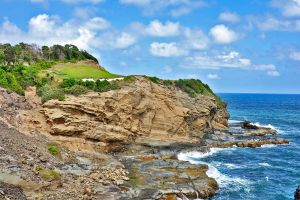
271,172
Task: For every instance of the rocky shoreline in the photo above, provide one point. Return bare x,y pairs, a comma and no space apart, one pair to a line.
120,144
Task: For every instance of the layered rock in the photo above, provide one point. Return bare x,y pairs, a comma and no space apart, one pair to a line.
143,112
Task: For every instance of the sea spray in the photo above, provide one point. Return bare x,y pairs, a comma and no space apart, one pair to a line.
224,181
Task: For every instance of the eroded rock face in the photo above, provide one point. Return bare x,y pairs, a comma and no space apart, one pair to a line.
143,111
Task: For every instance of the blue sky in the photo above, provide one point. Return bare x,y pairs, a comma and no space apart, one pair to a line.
234,46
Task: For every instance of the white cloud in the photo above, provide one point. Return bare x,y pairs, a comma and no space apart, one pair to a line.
213,76
273,73
289,8
231,59
295,56
44,29
42,24
166,49
229,17
123,63
97,23
124,40
71,1
156,28
271,23
223,35
195,40
83,1
177,7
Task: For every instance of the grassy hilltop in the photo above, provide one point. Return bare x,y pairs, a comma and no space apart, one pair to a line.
60,70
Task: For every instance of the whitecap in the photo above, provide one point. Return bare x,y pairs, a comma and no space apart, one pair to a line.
232,121
194,156
225,181
264,164
264,126
231,166
268,146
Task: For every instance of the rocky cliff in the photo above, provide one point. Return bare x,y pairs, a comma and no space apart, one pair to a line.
139,112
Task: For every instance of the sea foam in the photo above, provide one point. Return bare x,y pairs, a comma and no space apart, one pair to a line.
222,179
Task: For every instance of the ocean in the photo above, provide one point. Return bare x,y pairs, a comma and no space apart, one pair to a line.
270,172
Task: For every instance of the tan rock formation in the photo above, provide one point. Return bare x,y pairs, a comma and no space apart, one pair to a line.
142,112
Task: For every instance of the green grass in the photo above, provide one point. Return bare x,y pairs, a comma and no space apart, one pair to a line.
48,174
80,71
53,149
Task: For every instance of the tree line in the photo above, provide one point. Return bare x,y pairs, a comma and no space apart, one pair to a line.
22,53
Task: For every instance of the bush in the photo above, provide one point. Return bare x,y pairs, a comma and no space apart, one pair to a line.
68,83
104,86
53,150
88,84
49,92
167,82
48,174
194,87
77,90
153,79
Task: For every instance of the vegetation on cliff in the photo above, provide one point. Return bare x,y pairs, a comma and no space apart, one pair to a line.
47,68
193,87
60,70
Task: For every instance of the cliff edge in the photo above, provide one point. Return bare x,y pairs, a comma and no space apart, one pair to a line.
141,112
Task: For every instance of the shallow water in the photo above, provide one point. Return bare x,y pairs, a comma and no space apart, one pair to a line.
270,172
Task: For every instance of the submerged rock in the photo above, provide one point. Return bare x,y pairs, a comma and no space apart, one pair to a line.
297,193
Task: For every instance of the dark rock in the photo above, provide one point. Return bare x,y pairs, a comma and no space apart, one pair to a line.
8,191
297,193
248,125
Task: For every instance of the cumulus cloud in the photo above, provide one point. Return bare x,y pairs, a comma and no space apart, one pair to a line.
223,35
166,49
229,17
213,76
295,55
97,23
232,59
270,23
289,8
71,1
175,7
89,34
156,28
195,39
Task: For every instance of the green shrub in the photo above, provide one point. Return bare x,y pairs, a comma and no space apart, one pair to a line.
167,82
153,79
77,90
53,149
88,84
48,174
49,92
68,83
194,87
104,86
129,78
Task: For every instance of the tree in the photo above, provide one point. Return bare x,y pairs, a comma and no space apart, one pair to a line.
2,57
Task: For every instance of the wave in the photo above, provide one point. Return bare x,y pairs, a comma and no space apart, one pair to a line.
232,166
268,146
232,121
194,156
264,164
267,126
225,181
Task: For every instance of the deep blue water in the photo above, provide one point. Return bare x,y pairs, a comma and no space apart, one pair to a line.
263,173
